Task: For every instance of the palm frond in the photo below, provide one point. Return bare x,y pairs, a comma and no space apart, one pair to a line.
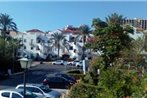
6,23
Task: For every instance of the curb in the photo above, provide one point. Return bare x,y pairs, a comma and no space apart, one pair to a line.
18,73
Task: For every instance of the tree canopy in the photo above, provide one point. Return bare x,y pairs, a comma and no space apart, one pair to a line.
111,37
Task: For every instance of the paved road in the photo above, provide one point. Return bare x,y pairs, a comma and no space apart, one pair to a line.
33,75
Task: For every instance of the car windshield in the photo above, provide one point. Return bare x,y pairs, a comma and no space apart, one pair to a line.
29,94
76,61
45,89
59,61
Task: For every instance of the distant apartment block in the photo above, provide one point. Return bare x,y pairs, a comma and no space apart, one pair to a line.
140,24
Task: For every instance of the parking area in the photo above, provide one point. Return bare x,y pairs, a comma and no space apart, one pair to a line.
36,74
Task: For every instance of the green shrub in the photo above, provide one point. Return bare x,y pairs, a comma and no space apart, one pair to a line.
83,91
76,76
75,71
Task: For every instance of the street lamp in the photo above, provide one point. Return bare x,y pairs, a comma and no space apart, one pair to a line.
25,64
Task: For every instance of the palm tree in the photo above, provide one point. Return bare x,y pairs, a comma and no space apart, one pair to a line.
6,25
115,19
98,23
85,31
58,39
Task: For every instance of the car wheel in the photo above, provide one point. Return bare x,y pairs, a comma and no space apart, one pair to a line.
78,65
61,63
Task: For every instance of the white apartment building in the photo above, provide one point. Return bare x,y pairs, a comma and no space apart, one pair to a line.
34,43
71,45
37,43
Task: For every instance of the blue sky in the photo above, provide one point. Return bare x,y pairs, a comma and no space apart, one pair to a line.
52,15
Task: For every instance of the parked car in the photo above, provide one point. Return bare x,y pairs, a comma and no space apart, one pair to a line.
58,62
67,77
78,63
40,89
17,93
3,74
57,82
70,63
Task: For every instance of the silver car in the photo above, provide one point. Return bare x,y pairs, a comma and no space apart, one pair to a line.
17,93
40,89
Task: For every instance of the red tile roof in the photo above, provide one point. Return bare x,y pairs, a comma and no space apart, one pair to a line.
35,30
71,31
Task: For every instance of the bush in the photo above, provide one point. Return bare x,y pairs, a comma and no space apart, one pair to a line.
77,74
84,91
75,71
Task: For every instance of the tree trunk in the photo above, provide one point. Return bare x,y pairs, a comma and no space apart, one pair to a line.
4,37
58,50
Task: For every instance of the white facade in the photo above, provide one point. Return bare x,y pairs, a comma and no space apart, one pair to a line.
39,43
31,45
137,34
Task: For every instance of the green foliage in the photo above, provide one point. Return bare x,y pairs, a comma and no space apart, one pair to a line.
114,18
83,91
114,80
98,23
111,39
77,74
57,39
10,47
75,71
119,82
6,24
92,76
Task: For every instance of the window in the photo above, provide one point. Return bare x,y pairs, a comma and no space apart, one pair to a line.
33,89
75,50
31,41
20,39
59,80
71,39
37,48
74,43
81,40
36,90
6,94
32,48
30,89
25,40
24,47
71,48
14,95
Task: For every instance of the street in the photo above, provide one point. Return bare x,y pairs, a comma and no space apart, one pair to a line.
35,74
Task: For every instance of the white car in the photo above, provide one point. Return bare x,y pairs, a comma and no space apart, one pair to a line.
69,62
78,63
40,89
17,93
58,62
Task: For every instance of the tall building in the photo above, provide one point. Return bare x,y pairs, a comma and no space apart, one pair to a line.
140,24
